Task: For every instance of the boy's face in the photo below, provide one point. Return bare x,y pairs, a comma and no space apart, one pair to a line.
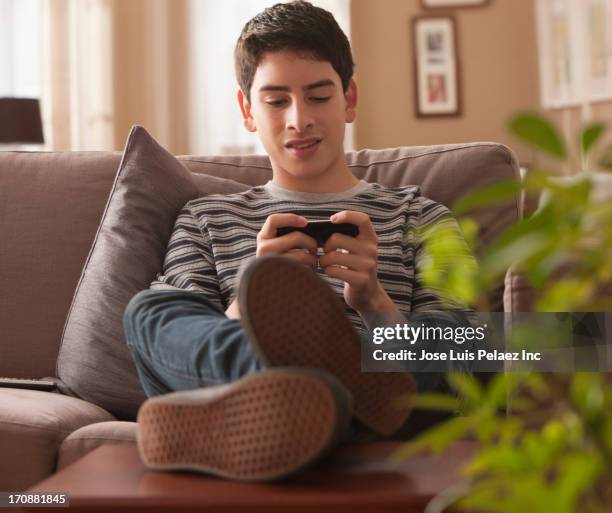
299,110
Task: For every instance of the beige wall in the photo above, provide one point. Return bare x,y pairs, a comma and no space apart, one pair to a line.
498,63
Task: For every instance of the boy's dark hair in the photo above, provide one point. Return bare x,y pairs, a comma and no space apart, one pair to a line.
298,27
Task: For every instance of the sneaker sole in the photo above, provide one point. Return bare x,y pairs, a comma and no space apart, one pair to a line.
264,427
319,335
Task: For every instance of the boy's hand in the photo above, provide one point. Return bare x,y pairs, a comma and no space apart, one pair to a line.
296,245
362,290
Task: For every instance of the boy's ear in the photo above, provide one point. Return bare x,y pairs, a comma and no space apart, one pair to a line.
351,102
245,108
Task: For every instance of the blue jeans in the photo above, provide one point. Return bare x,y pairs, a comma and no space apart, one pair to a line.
180,340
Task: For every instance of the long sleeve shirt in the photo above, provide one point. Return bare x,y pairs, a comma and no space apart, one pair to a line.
214,235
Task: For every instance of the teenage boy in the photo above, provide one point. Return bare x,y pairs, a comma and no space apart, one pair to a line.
256,334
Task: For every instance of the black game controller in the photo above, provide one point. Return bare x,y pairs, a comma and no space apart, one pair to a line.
321,230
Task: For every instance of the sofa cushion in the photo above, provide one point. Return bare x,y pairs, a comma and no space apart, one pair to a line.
50,206
90,437
128,250
33,424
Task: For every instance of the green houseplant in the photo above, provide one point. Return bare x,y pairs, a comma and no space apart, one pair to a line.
553,453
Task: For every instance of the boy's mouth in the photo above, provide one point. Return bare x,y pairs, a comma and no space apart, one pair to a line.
303,147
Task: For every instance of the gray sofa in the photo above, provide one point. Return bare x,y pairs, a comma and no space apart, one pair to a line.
51,207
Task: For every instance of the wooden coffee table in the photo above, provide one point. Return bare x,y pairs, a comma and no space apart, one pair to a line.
354,478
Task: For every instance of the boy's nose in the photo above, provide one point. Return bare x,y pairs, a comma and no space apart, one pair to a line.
299,117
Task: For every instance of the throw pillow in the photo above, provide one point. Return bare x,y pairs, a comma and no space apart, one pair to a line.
150,188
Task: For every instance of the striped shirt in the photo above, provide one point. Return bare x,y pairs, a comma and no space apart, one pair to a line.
214,235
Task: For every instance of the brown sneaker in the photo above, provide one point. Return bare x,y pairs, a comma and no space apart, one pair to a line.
292,317
264,427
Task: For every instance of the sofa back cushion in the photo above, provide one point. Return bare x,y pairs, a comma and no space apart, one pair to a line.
51,205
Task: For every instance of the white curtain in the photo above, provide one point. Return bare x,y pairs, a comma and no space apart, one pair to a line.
77,74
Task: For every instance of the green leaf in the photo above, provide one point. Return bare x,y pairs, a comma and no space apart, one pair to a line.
554,433
502,495
587,393
510,429
469,228
539,271
497,262
590,135
538,132
486,428
448,265
578,472
431,401
497,390
488,195
605,162
505,459
565,295
467,386
537,179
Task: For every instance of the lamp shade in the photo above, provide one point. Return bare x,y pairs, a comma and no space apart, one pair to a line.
20,121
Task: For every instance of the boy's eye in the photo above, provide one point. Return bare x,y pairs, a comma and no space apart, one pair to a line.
276,103
320,99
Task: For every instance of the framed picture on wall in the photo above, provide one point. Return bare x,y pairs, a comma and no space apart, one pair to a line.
435,66
453,3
